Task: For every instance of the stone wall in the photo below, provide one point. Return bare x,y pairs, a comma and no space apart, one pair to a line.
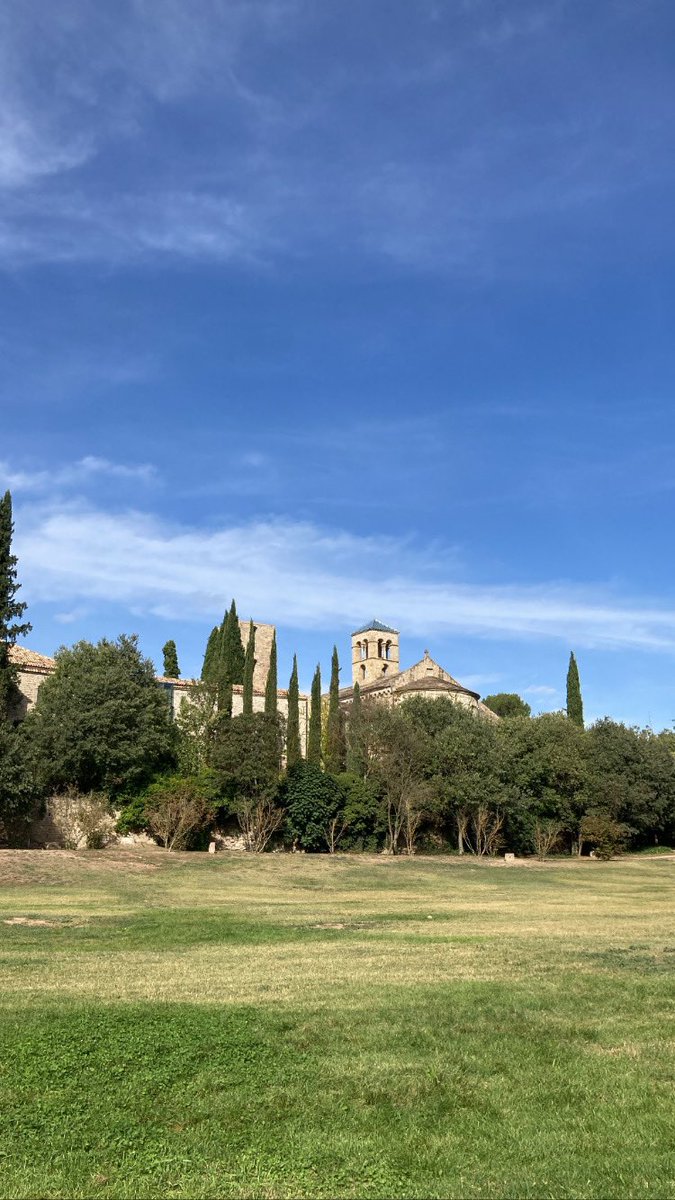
264,635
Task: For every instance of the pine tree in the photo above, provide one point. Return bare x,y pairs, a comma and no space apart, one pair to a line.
10,608
293,752
249,667
356,758
171,668
314,738
210,664
335,748
271,687
575,707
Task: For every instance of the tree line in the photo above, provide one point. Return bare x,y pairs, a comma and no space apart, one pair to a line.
426,776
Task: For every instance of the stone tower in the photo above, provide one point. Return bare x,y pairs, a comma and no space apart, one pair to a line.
375,652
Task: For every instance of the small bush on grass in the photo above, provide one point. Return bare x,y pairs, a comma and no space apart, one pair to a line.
606,837
81,819
178,808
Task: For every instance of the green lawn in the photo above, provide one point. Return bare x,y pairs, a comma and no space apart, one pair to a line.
193,1025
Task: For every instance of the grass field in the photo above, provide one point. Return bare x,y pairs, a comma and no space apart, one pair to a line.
190,1025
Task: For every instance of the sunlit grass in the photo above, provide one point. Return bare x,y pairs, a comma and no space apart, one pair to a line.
290,1025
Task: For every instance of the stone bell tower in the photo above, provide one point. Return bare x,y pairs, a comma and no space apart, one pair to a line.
375,653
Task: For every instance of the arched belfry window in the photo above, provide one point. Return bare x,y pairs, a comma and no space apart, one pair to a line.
379,647
363,671
365,650
387,650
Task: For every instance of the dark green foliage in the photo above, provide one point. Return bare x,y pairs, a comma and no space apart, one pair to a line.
11,609
335,732
631,778
132,818
363,816
16,785
575,708
459,757
211,656
231,659
101,722
356,745
171,668
245,757
314,738
293,751
249,667
272,686
313,800
543,774
507,704
606,837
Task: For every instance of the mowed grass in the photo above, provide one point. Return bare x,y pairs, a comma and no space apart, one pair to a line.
293,1026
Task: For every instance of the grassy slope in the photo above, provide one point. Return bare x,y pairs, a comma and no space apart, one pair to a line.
289,1026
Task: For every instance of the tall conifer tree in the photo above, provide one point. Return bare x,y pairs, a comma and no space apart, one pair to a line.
356,758
575,707
249,667
314,738
211,654
272,687
11,609
171,668
335,747
293,751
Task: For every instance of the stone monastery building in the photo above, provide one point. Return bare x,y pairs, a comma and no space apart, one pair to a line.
375,667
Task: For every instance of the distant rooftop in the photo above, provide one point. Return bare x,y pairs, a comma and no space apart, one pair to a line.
377,626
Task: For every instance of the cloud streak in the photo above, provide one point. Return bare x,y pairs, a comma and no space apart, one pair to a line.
86,469
302,576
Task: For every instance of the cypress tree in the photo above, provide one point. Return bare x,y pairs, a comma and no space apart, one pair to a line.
171,668
356,759
249,667
236,655
11,609
210,664
575,707
271,687
293,752
314,739
335,748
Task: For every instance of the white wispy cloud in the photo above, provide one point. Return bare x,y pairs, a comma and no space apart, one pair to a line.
81,87
73,474
300,575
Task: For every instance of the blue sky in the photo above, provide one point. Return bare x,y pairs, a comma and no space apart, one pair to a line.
347,310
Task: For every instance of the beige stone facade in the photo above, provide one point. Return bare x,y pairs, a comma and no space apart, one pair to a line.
376,669
34,668
375,653
264,636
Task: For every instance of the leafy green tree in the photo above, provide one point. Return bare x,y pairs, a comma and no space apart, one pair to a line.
249,667
575,708
314,738
458,755
211,655
272,686
246,758
507,704
335,739
362,813
313,801
356,748
196,724
171,668
398,772
293,750
11,609
101,721
631,779
544,775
